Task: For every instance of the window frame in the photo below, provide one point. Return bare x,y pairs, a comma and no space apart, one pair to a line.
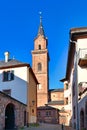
8,75
39,66
39,47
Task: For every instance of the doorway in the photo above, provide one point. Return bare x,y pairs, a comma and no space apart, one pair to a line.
9,117
81,119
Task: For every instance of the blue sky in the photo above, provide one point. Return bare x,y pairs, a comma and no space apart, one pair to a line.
19,22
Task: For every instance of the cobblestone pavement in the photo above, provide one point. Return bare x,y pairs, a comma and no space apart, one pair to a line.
44,126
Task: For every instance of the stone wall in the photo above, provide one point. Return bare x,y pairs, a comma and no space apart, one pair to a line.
19,109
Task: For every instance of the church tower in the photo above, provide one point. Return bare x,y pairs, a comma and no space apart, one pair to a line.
40,65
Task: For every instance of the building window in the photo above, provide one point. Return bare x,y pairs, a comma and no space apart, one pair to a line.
66,101
7,91
32,110
39,47
39,86
39,66
39,114
74,112
25,118
48,113
73,89
82,119
66,86
53,95
8,75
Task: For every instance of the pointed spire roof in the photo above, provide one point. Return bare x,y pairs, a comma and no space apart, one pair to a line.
41,30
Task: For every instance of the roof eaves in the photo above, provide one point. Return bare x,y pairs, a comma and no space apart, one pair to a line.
34,75
14,66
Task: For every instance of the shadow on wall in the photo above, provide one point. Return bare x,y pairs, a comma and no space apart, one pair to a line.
17,88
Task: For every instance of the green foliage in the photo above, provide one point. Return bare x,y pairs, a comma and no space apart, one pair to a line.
83,128
34,125
22,128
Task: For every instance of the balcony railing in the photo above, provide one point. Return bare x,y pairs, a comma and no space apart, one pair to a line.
82,61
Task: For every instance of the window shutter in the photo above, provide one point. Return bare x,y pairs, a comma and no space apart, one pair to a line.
12,75
3,75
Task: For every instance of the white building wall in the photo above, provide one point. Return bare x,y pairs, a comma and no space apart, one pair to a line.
67,92
74,101
81,44
18,86
82,73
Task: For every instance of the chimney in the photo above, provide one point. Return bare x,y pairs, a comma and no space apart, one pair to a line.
6,56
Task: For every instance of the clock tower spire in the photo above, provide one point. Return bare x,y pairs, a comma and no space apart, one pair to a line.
41,30
40,65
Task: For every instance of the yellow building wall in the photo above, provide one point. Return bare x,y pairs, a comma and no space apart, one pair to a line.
32,97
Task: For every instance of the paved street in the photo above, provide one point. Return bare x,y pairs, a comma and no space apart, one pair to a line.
44,126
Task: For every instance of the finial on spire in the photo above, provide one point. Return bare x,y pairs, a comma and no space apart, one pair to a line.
40,13
41,30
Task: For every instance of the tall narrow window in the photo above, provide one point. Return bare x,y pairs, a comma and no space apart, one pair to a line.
39,47
73,89
25,118
66,85
74,112
39,86
39,66
66,101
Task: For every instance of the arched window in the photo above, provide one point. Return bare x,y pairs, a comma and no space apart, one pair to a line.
39,47
39,66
